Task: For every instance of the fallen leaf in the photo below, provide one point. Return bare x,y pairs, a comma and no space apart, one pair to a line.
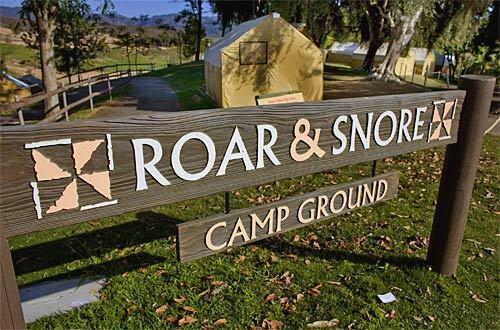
271,297
220,322
432,318
189,309
391,315
300,296
186,320
479,299
171,319
333,282
161,309
418,318
323,324
180,300
219,288
315,291
271,324
217,283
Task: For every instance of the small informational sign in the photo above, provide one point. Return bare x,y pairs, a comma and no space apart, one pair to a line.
196,239
280,98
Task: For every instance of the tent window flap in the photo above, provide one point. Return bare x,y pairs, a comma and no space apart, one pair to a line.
253,52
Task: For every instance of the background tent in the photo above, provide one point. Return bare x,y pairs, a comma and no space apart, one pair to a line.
404,65
263,56
341,52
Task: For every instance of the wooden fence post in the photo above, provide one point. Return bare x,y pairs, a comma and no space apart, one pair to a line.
413,75
90,94
109,89
11,316
425,77
448,79
20,116
458,175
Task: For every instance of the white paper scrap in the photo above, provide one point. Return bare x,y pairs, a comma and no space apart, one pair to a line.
386,298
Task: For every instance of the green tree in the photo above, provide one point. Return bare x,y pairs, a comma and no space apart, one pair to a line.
77,37
40,18
194,15
451,27
403,16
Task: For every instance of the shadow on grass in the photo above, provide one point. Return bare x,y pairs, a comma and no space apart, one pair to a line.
148,227
106,269
400,261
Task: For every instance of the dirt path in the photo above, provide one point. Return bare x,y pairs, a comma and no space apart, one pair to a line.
148,94
358,88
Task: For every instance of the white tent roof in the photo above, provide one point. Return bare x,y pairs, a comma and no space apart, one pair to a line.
213,54
420,54
343,47
363,49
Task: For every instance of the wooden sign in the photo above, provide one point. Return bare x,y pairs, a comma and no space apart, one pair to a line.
280,98
65,173
200,238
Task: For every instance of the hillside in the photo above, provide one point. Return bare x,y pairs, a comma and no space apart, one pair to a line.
212,27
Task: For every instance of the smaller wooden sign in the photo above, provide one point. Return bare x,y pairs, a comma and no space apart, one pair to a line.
196,239
280,98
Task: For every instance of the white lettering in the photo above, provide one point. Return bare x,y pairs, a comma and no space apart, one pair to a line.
141,168
266,148
339,135
418,123
376,129
229,155
176,156
356,128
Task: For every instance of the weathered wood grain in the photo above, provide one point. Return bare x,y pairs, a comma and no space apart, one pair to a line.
192,235
16,163
11,314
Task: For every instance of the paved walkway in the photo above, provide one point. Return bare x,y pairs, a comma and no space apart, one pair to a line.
148,94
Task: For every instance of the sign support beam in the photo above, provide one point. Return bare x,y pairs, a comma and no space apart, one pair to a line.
458,175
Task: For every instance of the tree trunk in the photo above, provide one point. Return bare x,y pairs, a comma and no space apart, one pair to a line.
45,18
198,30
375,15
400,36
369,61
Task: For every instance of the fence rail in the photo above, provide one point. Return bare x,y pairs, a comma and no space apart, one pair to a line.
90,81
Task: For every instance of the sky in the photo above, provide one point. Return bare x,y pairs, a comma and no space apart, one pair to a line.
133,8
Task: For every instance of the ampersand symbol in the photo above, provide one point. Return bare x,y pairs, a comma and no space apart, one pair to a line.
301,133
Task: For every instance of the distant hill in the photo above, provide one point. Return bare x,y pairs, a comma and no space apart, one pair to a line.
210,23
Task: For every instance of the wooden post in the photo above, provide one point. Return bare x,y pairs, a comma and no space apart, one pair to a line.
109,89
227,199
458,175
413,75
425,77
90,94
20,116
152,66
11,316
116,66
65,100
448,79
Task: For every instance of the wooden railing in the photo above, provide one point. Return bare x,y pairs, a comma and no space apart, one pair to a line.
90,81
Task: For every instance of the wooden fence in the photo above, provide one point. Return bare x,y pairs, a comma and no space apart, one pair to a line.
63,90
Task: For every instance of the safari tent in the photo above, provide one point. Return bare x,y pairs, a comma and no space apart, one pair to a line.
404,65
341,52
425,60
260,57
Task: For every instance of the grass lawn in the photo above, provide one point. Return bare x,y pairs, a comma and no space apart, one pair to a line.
188,81
331,270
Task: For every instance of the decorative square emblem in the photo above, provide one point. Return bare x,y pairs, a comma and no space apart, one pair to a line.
48,170
442,119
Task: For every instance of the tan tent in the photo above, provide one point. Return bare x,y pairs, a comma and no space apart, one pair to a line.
263,56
